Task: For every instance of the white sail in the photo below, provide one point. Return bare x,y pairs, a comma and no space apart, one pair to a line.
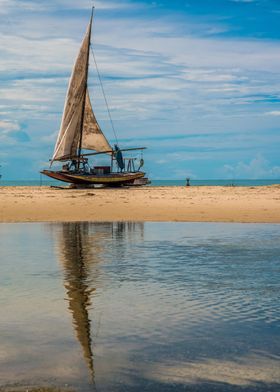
77,108
92,136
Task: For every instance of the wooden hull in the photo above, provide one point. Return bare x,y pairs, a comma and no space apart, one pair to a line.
112,179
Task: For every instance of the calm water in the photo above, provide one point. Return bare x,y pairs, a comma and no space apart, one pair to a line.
45,181
140,307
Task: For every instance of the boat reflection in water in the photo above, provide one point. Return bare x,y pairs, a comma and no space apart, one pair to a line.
113,307
75,257
81,250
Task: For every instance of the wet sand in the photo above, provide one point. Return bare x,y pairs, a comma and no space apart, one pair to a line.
186,204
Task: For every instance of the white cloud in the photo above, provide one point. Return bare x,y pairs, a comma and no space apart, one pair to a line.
99,4
213,75
156,41
187,50
257,168
243,1
7,6
19,94
273,113
7,126
10,131
161,78
51,138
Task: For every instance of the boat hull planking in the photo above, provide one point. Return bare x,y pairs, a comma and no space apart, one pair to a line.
113,179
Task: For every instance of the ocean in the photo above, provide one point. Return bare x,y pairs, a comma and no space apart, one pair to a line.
248,183
140,307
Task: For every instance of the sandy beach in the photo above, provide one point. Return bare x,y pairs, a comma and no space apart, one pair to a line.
185,204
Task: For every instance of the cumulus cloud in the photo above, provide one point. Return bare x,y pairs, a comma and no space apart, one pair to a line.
273,113
257,168
8,126
12,131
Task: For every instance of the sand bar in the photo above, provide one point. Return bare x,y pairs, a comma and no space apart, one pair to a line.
185,204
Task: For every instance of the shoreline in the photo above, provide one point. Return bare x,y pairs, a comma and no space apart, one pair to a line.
255,204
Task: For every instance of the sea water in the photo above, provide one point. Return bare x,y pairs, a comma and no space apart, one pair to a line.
140,306
44,181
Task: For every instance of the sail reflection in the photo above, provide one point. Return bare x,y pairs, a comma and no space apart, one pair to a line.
82,249
75,257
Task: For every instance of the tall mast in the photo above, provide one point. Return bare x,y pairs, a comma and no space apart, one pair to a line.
85,93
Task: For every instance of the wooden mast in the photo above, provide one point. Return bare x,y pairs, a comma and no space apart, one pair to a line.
85,94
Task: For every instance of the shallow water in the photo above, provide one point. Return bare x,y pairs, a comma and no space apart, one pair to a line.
140,306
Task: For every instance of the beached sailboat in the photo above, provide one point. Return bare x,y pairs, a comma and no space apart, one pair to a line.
80,131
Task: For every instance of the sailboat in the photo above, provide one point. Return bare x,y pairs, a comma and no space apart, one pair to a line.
80,131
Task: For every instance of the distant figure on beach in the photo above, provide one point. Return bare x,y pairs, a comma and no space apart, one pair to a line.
188,182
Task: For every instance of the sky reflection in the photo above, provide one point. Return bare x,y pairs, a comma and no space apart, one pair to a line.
133,306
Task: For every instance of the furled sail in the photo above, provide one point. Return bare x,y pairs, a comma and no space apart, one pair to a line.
78,118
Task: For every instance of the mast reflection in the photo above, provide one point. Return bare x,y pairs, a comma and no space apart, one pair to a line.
82,247
75,255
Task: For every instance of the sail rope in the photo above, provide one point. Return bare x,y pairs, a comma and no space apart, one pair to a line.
104,95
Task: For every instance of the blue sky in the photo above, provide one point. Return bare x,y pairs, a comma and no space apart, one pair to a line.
196,81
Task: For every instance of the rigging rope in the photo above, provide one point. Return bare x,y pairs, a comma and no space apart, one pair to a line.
105,99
